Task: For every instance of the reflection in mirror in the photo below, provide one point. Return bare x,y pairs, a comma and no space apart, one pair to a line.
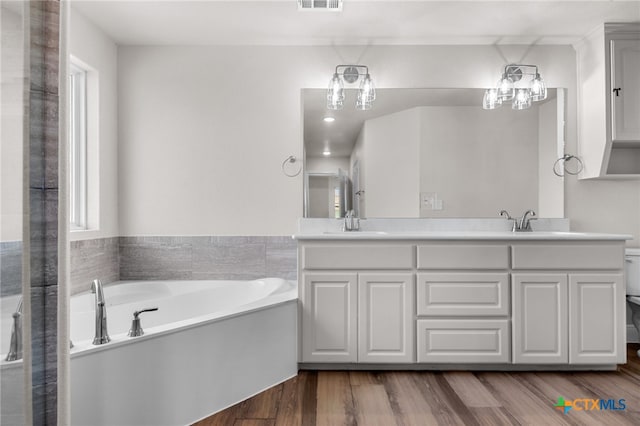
11,134
437,153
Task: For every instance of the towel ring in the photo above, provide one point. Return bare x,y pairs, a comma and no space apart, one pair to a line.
564,159
291,160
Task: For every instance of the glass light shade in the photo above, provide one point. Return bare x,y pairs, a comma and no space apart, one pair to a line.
335,93
505,88
491,100
367,89
538,89
363,104
522,99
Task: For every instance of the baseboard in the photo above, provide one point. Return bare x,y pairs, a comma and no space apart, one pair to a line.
632,334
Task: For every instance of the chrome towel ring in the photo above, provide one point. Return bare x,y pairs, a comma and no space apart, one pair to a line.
291,160
565,159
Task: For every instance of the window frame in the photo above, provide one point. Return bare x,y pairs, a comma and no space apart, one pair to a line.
78,146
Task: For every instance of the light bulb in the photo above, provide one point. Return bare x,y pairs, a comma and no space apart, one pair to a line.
491,100
538,89
522,99
335,93
505,88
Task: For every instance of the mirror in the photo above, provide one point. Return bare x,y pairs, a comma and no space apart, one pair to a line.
437,153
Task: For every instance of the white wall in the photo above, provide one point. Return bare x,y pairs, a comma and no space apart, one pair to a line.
326,164
11,126
479,162
392,165
204,130
92,47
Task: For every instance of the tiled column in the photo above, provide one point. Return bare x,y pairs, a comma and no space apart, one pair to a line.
43,205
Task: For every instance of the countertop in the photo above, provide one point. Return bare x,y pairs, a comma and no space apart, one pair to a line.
456,235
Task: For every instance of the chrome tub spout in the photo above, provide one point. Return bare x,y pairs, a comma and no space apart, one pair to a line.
101,336
15,347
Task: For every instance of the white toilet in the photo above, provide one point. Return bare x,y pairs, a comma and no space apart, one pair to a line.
632,265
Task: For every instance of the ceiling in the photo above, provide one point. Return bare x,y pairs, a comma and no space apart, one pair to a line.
238,22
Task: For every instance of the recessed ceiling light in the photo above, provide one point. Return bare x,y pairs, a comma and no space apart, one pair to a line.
326,153
329,119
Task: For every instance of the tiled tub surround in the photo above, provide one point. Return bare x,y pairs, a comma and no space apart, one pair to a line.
181,257
94,259
207,257
10,268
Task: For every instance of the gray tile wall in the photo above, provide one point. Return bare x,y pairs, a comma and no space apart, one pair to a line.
94,259
10,268
216,258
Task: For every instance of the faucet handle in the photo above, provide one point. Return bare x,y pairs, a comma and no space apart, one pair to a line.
136,328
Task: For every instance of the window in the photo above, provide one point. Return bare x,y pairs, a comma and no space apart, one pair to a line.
78,147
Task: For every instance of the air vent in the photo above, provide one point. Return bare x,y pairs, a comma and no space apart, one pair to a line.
320,5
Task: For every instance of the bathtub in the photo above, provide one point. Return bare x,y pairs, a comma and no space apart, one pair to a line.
210,345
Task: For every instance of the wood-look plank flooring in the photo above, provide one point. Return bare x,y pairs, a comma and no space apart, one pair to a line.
403,398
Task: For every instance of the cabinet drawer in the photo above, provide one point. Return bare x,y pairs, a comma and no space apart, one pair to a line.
466,294
357,257
559,256
463,257
469,341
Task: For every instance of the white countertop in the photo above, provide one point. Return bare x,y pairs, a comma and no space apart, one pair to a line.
457,235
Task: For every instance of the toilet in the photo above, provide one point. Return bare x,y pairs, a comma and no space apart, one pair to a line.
632,265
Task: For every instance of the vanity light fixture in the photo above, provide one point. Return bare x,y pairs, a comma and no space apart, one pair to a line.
351,74
520,84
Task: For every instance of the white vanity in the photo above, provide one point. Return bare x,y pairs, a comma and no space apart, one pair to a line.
447,298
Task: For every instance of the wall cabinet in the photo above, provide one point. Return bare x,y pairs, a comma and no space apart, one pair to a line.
609,102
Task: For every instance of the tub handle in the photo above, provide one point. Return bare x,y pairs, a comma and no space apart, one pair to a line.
136,328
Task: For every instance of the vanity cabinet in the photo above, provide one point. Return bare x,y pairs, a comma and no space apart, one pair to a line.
329,317
353,313
574,317
477,302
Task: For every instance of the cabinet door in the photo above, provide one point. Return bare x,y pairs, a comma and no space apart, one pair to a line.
597,319
540,318
386,320
625,103
329,310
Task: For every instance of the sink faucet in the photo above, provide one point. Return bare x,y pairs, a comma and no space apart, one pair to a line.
351,223
101,336
525,224
506,214
15,347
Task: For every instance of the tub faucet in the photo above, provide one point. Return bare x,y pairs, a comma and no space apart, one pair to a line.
15,347
101,336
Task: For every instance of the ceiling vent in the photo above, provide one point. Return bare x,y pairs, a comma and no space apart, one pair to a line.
320,5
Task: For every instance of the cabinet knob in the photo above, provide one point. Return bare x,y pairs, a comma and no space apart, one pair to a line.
617,90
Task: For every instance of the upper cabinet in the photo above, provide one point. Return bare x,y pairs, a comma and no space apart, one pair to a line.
609,102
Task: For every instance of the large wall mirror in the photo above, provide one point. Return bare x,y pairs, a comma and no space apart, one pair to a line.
432,153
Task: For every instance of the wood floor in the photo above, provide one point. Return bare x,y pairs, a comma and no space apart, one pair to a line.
390,398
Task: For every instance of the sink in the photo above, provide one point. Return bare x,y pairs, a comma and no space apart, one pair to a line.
355,232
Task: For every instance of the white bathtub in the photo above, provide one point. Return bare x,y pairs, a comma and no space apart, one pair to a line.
210,345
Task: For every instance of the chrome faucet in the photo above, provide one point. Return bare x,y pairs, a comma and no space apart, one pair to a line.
525,223
506,214
136,328
351,223
15,347
101,336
